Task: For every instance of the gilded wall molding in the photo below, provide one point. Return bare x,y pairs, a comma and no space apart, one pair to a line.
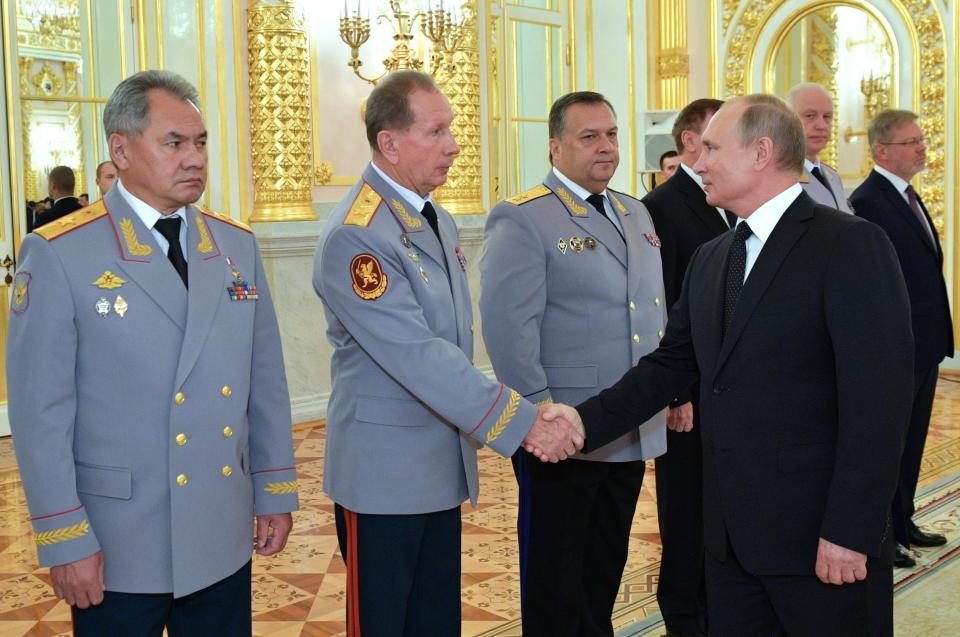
822,67
671,60
278,64
924,23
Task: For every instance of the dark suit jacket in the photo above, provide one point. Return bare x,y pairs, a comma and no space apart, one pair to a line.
803,405
921,261
61,207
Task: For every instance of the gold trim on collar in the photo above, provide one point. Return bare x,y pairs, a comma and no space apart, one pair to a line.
574,207
205,245
134,246
407,219
616,202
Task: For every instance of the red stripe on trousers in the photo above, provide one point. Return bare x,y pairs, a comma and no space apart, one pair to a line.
353,575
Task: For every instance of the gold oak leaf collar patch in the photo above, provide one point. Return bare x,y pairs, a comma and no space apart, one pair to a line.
369,279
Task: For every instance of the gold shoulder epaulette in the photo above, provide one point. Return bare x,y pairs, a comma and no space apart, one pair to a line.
363,207
72,221
224,218
534,193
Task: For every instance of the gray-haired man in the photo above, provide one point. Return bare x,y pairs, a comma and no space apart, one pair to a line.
164,425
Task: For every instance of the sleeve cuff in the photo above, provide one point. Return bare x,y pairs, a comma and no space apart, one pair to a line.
64,538
276,491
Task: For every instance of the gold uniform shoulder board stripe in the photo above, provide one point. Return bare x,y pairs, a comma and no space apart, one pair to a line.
72,221
534,193
363,207
225,219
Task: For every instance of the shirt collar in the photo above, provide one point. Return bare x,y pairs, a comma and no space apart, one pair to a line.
764,219
408,195
147,213
694,176
898,182
61,198
809,165
577,189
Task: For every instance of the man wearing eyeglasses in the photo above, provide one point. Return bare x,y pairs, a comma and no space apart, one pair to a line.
888,199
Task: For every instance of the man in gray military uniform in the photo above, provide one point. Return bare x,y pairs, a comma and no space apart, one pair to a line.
162,427
408,410
571,296
814,105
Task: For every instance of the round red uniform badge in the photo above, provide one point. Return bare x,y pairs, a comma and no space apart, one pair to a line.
369,280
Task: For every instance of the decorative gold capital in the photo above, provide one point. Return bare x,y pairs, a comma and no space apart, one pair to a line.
280,142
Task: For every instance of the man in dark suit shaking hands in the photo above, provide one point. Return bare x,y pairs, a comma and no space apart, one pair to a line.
887,199
805,368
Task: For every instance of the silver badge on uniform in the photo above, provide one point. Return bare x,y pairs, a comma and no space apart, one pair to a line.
102,307
405,240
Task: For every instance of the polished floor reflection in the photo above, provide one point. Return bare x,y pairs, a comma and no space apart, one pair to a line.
301,592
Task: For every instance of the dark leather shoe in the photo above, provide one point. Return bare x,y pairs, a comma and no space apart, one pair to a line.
922,538
903,559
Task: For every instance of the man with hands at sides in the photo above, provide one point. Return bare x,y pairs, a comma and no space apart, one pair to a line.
782,329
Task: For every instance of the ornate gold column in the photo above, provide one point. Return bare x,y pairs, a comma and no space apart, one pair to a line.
463,192
280,141
672,61
822,68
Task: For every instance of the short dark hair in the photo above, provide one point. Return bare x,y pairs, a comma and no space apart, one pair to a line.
63,179
667,155
389,103
102,164
558,112
692,118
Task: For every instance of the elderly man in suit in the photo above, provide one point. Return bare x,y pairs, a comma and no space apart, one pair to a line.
163,426
408,410
684,221
814,105
887,199
571,295
781,326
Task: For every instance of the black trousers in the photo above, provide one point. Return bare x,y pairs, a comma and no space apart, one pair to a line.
681,593
924,389
403,573
745,605
574,529
220,609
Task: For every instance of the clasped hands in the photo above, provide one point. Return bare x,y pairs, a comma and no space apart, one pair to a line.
557,434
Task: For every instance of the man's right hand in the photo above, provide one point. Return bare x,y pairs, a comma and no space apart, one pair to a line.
556,435
80,583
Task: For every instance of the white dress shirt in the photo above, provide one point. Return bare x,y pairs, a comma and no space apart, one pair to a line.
901,185
583,193
408,195
763,220
694,176
149,216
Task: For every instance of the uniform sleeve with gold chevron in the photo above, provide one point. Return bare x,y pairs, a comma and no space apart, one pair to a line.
64,537
506,423
276,490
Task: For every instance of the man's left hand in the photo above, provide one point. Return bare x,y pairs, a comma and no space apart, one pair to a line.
680,418
837,565
272,532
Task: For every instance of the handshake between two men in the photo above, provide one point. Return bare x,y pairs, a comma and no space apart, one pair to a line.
557,434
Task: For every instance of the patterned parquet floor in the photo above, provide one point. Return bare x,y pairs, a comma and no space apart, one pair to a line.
301,591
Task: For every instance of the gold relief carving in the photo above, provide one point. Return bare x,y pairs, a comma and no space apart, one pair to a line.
46,81
280,148
323,173
49,25
822,67
463,192
673,63
729,10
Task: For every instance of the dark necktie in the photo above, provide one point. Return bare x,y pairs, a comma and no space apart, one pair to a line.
431,216
169,227
736,269
731,218
915,206
823,180
597,202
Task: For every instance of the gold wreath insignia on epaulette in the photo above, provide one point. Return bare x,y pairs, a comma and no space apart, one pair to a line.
205,245
407,219
134,246
72,532
505,417
575,208
281,488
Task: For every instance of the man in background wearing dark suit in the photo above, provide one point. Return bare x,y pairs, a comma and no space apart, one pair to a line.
684,220
797,324
61,184
887,199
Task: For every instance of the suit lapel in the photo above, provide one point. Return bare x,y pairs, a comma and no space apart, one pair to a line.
778,245
587,217
899,203
448,231
933,229
697,202
206,270
143,261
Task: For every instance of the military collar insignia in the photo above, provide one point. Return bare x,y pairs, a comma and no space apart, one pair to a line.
134,246
108,281
206,244
410,221
575,208
616,202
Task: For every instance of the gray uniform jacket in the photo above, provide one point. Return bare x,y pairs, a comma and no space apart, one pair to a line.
408,410
148,421
818,192
566,307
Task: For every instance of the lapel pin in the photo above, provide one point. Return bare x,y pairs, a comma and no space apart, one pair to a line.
423,273
414,257
102,306
653,239
462,259
405,240
576,244
562,246
590,243
120,306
